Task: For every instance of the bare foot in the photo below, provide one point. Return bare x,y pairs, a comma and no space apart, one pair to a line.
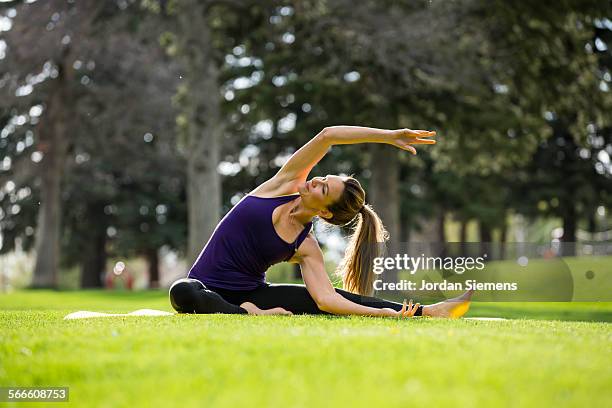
254,310
452,308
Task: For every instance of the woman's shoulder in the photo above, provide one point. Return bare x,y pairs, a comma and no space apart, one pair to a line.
309,247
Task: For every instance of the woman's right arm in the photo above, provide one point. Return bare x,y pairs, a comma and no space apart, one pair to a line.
323,293
296,170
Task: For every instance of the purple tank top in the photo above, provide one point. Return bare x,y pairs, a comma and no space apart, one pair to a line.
244,245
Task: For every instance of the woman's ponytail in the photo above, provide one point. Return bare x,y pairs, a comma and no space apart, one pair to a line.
366,243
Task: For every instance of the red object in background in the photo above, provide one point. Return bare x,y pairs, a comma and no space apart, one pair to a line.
549,254
124,275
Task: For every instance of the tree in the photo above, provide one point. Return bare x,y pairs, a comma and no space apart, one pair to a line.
111,106
42,46
556,80
125,152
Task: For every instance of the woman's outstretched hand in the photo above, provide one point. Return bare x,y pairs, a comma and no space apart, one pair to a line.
404,138
408,310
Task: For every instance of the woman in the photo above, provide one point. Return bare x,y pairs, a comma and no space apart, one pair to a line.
272,224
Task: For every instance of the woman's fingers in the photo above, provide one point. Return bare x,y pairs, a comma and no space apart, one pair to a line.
420,133
414,309
403,308
411,149
425,133
406,146
422,141
409,309
409,137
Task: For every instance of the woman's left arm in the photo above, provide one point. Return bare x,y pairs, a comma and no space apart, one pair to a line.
320,288
299,165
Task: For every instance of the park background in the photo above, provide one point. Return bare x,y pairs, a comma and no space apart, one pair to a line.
128,128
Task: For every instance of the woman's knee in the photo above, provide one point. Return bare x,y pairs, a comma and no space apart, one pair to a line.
183,295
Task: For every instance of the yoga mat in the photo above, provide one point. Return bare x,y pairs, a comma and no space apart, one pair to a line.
84,314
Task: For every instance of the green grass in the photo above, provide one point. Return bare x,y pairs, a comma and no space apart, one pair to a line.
217,360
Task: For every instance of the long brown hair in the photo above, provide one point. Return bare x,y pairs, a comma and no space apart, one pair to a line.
366,241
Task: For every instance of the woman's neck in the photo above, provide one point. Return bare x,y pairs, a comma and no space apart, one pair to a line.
301,214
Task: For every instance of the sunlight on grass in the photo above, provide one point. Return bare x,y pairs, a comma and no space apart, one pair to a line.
224,360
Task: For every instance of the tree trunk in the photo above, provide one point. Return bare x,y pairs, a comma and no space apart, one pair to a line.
592,222
203,199
440,246
153,262
54,146
93,264
503,239
569,231
383,192
202,109
441,225
463,237
570,185
485,240
383,195
405,229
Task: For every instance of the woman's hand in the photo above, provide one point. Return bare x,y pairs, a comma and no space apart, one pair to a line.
408,310
404,138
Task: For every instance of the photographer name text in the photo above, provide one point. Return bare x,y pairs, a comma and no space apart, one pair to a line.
445,285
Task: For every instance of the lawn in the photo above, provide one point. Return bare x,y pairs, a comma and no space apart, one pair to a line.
217,360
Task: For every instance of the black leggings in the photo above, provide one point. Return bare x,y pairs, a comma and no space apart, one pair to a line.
192,296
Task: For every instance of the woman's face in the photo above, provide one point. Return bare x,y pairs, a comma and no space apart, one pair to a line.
320,192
